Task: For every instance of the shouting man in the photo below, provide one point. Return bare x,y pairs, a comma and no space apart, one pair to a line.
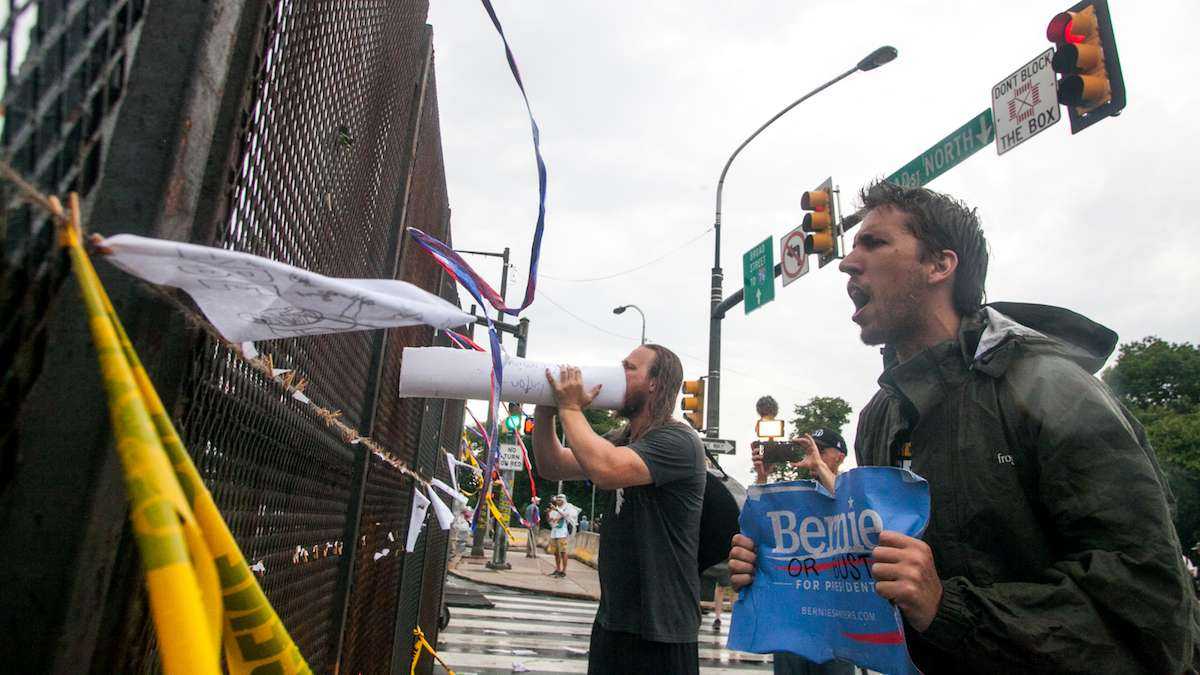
1050,546
649,614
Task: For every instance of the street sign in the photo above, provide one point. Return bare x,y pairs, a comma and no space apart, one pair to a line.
758,270
718,446
792,258
947,153
1025,103
510,458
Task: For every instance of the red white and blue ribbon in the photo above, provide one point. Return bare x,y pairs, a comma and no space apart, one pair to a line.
480,290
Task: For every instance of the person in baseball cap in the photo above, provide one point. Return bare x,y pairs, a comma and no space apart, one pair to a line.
828,439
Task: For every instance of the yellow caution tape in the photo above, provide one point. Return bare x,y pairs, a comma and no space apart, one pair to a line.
180,577
254,636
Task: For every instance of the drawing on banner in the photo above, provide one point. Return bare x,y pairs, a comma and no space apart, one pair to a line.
250,298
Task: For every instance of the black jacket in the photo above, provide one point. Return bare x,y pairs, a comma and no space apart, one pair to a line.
1051,520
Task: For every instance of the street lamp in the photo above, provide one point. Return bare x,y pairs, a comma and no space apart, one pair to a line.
621,310
712,427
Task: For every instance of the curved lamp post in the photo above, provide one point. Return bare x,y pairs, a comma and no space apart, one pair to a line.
621,310
712,422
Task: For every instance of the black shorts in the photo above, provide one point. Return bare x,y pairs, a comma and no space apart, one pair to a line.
614,652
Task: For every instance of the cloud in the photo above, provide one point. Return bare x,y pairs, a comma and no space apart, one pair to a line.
640,105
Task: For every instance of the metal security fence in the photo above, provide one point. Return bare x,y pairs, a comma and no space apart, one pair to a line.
306,132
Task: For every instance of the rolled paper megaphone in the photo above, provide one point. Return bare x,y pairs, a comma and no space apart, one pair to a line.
445,372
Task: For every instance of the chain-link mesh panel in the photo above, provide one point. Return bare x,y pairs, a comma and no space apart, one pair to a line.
64,74
383,531
323,158
282,481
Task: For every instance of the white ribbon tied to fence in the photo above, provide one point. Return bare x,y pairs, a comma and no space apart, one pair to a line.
248,298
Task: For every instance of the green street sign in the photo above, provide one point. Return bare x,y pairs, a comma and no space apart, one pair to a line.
947,153
758,272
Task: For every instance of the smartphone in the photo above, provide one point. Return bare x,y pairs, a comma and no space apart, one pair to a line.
781,452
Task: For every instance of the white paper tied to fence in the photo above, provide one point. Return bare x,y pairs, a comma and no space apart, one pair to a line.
249,298
444,372
444,516
416,519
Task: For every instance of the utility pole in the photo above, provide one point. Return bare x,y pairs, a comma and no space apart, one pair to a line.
486,487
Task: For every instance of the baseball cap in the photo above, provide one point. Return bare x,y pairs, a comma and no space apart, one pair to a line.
828,438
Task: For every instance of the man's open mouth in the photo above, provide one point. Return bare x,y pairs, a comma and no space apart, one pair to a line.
859,297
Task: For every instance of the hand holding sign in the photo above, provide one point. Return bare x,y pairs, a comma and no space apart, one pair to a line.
905,574
812,556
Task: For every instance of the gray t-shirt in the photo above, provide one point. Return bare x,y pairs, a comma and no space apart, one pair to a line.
648,578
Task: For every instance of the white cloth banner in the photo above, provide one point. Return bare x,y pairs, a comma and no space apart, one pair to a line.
416,520
444,517
444,372
450,492
250,298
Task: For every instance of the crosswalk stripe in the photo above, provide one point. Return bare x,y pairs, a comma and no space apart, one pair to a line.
524,607
452,635
533,664
543,647
529,600
515,615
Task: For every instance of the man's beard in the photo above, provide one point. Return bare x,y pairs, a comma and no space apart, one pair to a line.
901,315
632,405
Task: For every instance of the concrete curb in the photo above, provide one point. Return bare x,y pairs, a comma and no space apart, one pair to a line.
498,580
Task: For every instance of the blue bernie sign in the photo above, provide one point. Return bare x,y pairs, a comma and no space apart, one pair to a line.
813,593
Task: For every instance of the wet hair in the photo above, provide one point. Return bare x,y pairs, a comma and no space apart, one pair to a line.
940,223
766,406
667,375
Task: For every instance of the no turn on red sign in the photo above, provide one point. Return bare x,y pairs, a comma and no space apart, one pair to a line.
793,260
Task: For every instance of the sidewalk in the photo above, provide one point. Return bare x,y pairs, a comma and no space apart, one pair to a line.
529,574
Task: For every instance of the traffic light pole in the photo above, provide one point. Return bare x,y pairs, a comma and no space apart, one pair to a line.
713,415
499,541
484,518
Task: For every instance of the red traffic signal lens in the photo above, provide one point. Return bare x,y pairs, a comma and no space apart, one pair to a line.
528,425
1062,29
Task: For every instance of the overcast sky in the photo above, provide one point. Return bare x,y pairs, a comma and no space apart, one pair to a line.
640,104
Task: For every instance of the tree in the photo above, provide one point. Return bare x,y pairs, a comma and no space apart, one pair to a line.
1152,373
829,412
1159,382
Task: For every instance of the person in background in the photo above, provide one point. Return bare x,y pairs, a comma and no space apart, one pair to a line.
533,517
559,533
583,523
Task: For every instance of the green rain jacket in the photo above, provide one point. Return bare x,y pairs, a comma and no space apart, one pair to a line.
1051,519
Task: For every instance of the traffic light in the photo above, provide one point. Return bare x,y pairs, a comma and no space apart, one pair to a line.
820,222
528,426
693,403
1085,55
